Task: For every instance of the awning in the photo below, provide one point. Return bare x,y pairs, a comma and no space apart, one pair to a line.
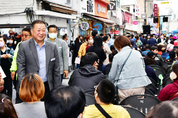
107,21
54,14
60,8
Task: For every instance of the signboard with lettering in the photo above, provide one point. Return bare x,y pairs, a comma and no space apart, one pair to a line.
100,8
128,18
137,10
112,5
155,9
84,26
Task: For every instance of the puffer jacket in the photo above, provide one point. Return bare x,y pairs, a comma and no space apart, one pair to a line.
86,77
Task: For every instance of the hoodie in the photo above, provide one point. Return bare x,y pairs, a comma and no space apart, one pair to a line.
86,77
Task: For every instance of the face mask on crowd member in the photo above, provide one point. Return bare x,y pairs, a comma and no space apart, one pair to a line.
2,43
162,36
53,35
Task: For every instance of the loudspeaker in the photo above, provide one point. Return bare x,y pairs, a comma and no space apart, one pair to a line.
146,29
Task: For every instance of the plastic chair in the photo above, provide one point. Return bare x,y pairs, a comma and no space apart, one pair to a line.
152,88
156,66
89,99
153,82
147,91
159,71
167,81
175,99
142,102
134,113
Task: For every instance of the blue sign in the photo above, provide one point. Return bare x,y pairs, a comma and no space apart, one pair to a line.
99,26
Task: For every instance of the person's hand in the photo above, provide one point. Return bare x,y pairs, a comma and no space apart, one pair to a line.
12,75
8,56
66,72
3,56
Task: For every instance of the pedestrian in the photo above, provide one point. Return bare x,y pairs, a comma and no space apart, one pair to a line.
98,49
106,49
5,62
62,50
128,70
26,34
39,56
31,92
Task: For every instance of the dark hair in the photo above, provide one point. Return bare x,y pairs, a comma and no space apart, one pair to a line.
38,22
112,47
137,38
27,29
154,48
149,60
166,109
175,68
105,38
4,38
94,33
111,56
64,36
109,35
121,41
151,35
7,109
106,91
101,34
52,26
64,102
90,58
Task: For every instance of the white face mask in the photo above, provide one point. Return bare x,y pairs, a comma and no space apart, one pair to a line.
90,41
10,42
53,35
173,76
162,37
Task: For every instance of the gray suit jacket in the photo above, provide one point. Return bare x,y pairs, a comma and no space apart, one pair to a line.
63,54
27,62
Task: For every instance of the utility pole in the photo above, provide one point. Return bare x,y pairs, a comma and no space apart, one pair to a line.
145,11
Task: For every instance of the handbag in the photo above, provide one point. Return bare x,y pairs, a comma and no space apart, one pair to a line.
116,98
102,111
77,60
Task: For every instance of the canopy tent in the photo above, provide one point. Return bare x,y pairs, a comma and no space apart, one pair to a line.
175,31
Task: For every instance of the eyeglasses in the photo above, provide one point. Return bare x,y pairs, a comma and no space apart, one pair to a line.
25,36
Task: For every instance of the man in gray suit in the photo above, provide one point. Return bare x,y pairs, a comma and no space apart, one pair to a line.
39,56
62,49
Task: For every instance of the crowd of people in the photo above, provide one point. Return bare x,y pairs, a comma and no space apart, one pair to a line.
106,66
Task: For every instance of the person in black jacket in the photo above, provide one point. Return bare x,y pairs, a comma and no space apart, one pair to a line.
97,48
87,77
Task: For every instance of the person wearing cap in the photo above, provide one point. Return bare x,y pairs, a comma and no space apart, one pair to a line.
104,95
170,91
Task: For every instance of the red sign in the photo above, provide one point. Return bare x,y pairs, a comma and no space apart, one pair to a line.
116,32
128,17
155,9
110,32
101,8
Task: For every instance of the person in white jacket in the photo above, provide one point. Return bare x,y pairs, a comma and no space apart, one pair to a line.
106,49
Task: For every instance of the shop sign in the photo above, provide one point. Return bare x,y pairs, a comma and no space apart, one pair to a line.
112,5
100,8
98,27
116,32
137,10
111,32
128,18
84,26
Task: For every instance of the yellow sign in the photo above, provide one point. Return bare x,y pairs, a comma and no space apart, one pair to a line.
164,2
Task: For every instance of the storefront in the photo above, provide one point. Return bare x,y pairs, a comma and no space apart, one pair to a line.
99,20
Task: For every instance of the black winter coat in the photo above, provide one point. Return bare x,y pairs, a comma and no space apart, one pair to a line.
86,78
